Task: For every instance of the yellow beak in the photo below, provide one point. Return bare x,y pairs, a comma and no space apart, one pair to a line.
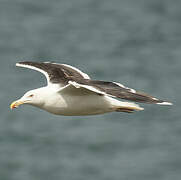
15,104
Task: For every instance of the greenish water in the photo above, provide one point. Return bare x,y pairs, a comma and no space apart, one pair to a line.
137,43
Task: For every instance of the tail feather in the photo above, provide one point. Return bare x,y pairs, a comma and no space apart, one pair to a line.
128,107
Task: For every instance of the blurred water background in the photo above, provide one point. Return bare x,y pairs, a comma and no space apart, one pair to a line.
134,42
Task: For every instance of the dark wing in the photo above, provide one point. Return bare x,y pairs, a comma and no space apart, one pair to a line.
116,90
55,73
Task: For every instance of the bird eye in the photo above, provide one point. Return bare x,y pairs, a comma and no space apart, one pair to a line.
31,95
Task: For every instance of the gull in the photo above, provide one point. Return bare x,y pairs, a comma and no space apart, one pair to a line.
71,92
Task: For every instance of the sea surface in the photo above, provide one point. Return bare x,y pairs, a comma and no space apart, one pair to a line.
134,42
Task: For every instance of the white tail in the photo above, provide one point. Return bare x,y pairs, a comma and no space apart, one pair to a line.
128,107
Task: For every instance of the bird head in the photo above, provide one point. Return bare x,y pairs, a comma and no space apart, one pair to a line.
31,97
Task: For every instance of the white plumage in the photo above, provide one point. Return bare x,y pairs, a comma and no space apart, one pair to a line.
71,92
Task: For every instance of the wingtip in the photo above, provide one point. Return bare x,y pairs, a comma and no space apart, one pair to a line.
17,64
165,103
23,63
20,63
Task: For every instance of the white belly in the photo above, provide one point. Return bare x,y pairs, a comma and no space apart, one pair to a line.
79,105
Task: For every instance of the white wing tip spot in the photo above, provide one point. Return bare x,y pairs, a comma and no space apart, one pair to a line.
18,64
165,103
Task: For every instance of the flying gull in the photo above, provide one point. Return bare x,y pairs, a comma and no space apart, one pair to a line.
71,92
